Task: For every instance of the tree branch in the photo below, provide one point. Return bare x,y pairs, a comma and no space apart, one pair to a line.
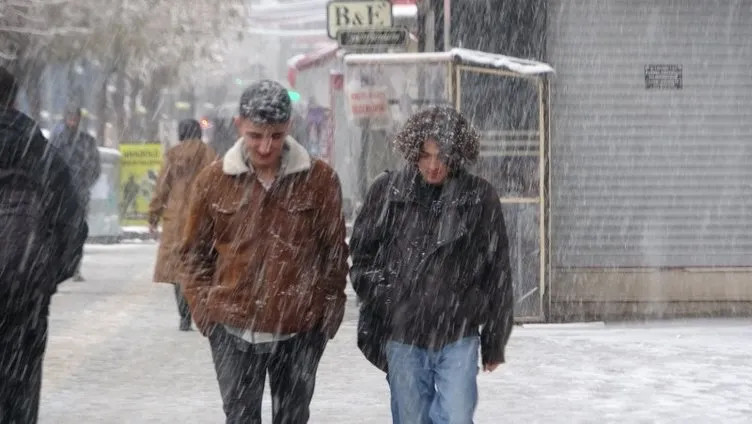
45,32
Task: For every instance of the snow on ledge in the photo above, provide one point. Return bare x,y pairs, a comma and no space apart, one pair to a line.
521,66
461,56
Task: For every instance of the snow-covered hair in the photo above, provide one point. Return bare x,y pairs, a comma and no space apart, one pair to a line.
266,102
458,141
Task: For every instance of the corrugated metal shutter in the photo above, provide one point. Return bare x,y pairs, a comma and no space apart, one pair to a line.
651,177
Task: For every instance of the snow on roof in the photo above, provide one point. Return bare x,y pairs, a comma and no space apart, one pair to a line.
459,56
521,66
304,61
404,10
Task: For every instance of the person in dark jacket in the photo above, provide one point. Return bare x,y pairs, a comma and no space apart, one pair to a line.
430,266
42,235
79,151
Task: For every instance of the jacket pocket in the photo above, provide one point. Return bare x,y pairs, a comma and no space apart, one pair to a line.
224,217
293,222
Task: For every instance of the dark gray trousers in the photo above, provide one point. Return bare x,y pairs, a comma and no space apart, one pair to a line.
23,339
183,310
241,372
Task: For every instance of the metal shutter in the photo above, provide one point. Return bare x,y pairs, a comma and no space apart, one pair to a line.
651,177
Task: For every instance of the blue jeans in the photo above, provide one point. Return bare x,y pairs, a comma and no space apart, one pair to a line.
434,386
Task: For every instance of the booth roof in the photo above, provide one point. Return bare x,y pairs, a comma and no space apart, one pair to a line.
460,56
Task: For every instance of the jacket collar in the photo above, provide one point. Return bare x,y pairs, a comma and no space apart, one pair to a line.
295,159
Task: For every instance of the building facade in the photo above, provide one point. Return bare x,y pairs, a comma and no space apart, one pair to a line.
650,131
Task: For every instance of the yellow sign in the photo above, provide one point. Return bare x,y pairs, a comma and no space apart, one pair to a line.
139,167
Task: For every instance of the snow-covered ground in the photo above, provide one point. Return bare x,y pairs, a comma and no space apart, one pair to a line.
115,356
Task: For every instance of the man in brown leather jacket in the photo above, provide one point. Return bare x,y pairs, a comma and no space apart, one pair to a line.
266,261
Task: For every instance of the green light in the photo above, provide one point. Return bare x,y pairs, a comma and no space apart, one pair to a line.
238,81
294,96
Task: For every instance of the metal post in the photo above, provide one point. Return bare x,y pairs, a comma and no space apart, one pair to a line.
447,24
430,31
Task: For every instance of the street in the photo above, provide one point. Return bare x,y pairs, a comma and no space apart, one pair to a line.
115,355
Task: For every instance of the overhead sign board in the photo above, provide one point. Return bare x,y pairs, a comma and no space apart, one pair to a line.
388,37
345,15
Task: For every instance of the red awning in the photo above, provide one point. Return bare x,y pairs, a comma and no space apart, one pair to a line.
308,61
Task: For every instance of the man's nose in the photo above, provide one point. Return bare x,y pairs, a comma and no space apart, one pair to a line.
265,145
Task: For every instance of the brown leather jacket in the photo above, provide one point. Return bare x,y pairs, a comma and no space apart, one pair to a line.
273,262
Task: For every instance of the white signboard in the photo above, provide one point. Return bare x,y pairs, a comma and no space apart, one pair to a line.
357,15
368,102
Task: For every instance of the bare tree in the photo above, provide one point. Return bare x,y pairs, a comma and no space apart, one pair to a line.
146,44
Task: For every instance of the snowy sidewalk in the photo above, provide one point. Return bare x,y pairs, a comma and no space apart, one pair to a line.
115,356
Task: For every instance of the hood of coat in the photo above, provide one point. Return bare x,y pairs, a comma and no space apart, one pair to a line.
295,159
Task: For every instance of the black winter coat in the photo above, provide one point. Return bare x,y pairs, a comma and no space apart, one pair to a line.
44,227
431,270
79,151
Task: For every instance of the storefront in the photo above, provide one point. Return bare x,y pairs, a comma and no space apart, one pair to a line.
650,157
383,90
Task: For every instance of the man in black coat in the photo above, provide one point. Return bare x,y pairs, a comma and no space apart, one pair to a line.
42,232
431,269
79,151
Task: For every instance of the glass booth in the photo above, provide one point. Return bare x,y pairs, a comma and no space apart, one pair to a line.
505,98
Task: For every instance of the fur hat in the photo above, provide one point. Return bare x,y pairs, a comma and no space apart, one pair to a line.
458,141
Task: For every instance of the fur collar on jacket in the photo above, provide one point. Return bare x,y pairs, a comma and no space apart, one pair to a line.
295,159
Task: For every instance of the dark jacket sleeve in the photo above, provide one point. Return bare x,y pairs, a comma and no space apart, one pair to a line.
65,213
367,273
161,192
93,162
68,221
333,254
497,280
367,242
25,151
197,251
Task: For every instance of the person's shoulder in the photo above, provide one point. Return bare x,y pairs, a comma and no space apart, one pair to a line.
177,150
18,124
322,171
212,171
210,177
478,188
208,150
383,179
476,182
379,187
320,167
89,138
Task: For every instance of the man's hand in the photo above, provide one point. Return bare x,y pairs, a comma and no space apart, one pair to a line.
490,367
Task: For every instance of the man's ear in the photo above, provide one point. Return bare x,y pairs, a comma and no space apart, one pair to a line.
238,121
